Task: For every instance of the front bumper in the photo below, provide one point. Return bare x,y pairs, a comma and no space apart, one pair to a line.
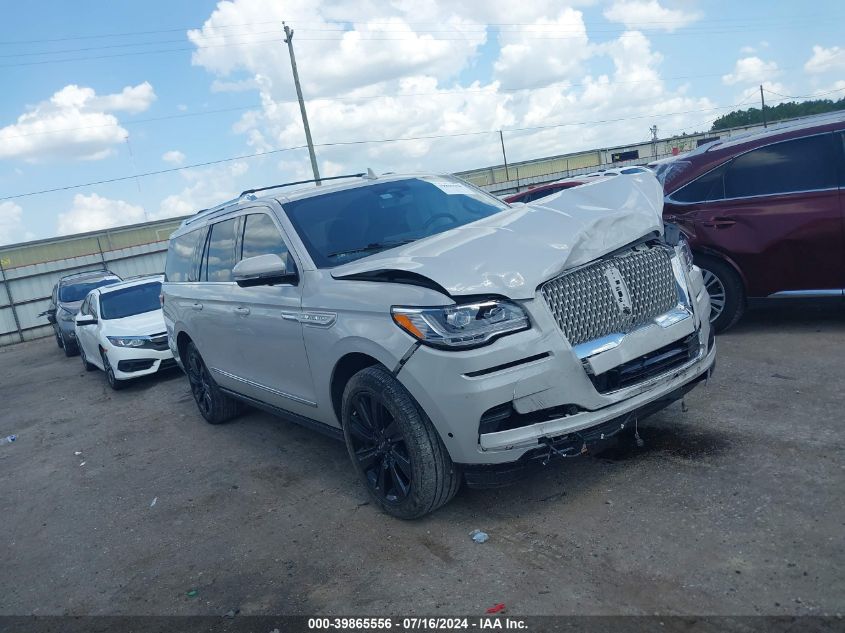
539,376
129,363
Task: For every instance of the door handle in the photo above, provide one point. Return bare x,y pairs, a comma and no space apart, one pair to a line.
243,311
197,306
719,223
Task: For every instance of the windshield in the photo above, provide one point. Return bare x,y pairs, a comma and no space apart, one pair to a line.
343,226
130,301
78,291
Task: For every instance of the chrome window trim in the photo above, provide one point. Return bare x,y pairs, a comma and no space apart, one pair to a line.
762,195
276,392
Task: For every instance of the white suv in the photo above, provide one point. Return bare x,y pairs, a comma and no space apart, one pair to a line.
443,334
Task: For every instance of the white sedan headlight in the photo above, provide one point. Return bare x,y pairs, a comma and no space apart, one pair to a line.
129,341
463,325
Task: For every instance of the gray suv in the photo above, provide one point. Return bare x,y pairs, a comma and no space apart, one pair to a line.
443,334
67,296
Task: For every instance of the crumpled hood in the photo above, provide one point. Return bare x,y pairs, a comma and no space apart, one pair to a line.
513,252
142,324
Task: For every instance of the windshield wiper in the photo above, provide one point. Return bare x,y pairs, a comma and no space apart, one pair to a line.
375,246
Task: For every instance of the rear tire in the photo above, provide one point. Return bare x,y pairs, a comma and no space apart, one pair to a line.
727,294
214,405
394,447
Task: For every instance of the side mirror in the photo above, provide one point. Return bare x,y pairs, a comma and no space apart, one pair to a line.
265,270
50,313
84,319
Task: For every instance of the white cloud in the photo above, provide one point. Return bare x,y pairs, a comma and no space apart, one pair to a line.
11,224
419,93
205,188
751,70
649,15
93,212
825,60
174,157
747,50
75,123
524,61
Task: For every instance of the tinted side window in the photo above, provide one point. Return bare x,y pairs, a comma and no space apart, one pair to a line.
92,307
841,157
800,165
710,186
180,258
220,252
261,237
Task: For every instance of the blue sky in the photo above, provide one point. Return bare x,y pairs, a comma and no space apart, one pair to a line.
78,78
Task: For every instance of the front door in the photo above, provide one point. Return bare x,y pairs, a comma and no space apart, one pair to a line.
779,217
265,354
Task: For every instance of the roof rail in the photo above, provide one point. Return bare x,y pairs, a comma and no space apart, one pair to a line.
300,182
234,201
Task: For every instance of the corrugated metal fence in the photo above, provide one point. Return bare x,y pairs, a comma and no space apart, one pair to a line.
26,285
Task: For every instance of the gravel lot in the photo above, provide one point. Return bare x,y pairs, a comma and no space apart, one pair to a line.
735,507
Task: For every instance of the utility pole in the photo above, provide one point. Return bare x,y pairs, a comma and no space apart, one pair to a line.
289,42
504,156
763,105
653,130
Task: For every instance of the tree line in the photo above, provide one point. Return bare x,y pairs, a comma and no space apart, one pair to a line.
788,110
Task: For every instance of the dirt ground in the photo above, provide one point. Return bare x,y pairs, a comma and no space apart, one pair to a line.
734,507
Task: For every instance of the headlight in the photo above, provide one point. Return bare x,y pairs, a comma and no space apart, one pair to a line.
64,315
461,326
685,253
128,341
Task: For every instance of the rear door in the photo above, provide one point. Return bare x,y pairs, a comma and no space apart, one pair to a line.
777,215
212,323
268,357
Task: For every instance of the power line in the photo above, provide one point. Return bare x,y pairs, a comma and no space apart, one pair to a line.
442,93
812,96
347,143
788,20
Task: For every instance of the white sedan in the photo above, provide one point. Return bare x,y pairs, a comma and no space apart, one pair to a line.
120,329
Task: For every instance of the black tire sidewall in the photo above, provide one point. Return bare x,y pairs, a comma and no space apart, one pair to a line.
734,291
114,383
223,407
428,465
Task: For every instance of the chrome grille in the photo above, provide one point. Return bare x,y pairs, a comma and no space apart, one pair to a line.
583,303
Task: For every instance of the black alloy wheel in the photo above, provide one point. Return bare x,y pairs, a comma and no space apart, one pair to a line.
380,449
395,449
214,405
200,382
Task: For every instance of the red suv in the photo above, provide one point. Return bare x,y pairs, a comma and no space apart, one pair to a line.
541,191
764,213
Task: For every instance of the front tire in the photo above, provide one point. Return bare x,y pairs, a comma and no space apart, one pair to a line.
727,295
114,383
395,449
69,346
214,405
88,366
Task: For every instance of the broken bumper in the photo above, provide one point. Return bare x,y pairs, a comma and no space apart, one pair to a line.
553,389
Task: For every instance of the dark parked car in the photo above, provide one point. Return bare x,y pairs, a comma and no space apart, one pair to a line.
541,191
67,296
764,213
